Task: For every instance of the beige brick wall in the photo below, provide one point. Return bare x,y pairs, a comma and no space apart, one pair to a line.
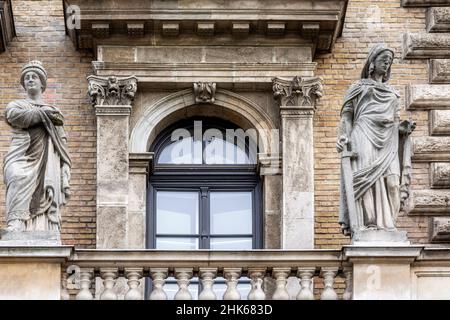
366,23
41,36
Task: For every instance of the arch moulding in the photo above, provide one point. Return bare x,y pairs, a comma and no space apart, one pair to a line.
142,132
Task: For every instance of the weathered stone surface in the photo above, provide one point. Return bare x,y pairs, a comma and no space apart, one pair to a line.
30,281
429,202
425,96
440,229
440,122
30,238
431,148
425,3
440,174
439,71
380,237
112,227
426,45
438,19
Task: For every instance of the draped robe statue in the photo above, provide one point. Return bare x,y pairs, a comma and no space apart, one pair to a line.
380,169
37,166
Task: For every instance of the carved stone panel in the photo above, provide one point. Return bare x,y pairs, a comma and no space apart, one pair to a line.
440,174
439,71
440,229
426,96
426,45
440,122
429,202
431,148
438,19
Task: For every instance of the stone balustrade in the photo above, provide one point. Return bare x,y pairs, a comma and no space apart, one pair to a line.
271,275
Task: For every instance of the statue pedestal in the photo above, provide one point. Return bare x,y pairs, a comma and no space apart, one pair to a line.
380,238
29,238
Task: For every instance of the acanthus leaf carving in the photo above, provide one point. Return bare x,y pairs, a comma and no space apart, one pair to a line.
298,91
112,90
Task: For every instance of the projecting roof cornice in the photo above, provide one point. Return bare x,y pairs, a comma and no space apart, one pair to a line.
146,22
7,29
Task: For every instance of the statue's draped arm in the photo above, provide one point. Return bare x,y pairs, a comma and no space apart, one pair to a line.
21,117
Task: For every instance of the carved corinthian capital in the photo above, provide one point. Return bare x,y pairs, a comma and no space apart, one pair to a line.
298,91
112,90
204,92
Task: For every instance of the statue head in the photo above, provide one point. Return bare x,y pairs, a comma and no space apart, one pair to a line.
33,78
379,61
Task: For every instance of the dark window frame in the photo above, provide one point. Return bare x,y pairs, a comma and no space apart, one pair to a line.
208,177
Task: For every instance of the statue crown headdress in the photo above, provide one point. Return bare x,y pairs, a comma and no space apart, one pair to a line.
37,67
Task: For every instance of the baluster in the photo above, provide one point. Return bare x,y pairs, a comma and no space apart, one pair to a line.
64,292
109,276
305,275
183,276
231,276
281,275
328,275
133,276
159,276
207,276
85,284
348,293
256,275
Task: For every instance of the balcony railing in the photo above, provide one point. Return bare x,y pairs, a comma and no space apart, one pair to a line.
272,274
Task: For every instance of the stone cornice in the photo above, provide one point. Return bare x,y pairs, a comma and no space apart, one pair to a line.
205,17
297,92
112,90
7,28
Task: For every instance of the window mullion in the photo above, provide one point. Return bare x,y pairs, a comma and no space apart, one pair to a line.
204,218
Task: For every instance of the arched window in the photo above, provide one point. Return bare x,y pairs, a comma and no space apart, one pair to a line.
204,192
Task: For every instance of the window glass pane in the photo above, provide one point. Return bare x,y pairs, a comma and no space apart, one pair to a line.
231,212
176,243
177,212
183,151
231,243
219,151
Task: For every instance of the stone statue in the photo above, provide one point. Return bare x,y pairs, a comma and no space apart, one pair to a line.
375,150
37,166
